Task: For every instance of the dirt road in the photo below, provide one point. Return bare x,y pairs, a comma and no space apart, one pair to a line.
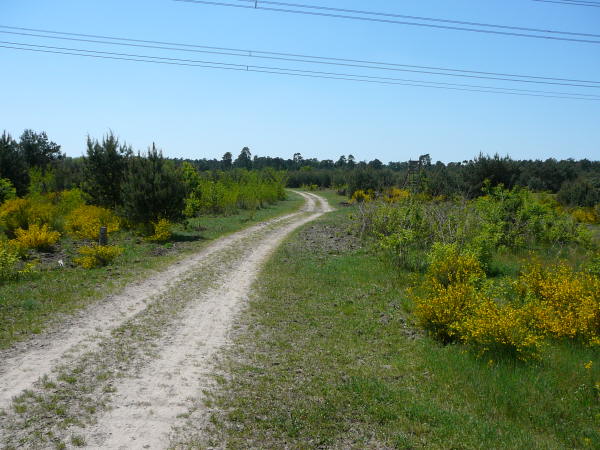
124,372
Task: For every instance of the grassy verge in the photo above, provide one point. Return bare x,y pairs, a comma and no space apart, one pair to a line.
328,358
28,306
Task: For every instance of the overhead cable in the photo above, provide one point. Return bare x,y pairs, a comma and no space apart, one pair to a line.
294,57
555,35
286,71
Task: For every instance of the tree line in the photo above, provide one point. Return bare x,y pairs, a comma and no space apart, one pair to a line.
35,158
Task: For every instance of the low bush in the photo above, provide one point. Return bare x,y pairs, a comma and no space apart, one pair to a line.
13,215
501,330
36,237
361,196
11,266
456,303
448,265
85,221
443,308
162,231
566,303
406,226
97,255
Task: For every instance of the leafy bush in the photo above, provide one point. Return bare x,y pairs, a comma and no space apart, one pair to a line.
14,214
408,226
226,192
85,222
162,231
447,265
97,255
36,237
11,267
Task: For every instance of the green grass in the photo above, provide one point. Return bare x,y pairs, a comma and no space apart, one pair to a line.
329,358
28,306
332,197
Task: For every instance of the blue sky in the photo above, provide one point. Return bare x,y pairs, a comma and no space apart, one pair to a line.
195,112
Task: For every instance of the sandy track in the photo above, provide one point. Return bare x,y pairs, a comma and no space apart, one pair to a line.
147,403
22,366
146,407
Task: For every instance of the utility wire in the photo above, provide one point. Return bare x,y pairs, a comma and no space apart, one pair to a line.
308,11
564,2
301,58
259,3
284,71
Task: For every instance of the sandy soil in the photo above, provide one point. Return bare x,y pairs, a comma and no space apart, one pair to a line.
146,404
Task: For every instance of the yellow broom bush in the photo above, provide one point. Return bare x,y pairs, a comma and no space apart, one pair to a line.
585,215
395,195
97,255
443,308
85,221
162,231
36,237
361,196
566,303
501,330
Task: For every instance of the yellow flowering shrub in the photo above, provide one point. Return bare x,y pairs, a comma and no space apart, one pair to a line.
85,221
448,265
585,215
566,303
36,209
444,308
501,329
97,255
162,231
361,196
14,214
395,195
36,237
451,293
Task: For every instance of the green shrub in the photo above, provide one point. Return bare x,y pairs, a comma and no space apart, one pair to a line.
11,267
97,255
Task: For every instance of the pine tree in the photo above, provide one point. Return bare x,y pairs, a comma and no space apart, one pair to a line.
104,168
153,189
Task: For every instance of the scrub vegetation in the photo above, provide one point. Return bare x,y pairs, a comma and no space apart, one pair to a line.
355,340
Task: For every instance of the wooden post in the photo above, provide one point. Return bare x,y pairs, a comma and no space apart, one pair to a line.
103,238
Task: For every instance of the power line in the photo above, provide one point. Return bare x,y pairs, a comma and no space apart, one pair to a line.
398,22
356,63
259,3
575,3
285,71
